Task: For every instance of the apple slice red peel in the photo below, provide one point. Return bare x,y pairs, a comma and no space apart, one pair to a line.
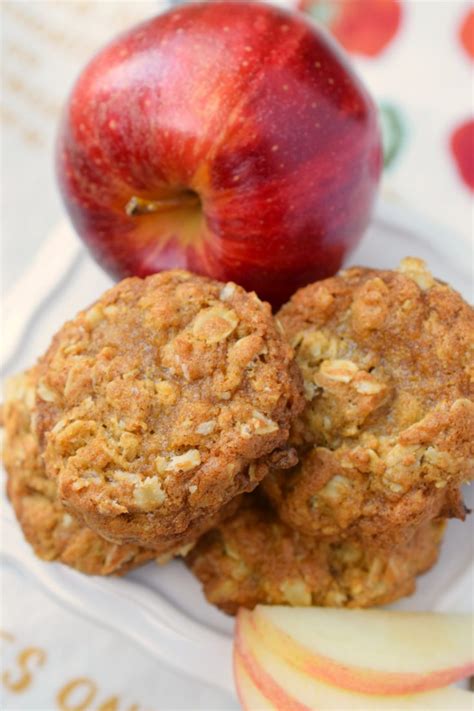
266,679
371,651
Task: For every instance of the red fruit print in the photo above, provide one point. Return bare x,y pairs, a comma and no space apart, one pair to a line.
462,148
466,33
363,27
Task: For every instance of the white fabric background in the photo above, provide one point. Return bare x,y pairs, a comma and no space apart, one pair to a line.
96,665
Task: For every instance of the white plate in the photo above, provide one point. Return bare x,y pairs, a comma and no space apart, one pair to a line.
163,609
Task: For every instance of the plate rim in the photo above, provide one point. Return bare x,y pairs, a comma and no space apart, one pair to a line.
191,642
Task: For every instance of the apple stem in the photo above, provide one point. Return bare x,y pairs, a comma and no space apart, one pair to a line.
141,206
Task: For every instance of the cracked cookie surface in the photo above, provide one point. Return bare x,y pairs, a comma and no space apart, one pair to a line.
254,558
53,532
387,434
161,403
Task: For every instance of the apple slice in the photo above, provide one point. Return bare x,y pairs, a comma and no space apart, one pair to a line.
250,696
371,651
267,681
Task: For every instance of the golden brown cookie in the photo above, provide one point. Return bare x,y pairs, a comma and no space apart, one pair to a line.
52,532
387,434
50,529
162,402
254,558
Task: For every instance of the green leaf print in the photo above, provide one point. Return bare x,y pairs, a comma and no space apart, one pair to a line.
393,132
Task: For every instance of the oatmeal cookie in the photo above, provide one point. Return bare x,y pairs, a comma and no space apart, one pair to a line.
162,402
254,558
387,434
53,533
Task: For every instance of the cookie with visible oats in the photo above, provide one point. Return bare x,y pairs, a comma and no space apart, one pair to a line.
254,558
162,402
52,532
387,434
50,529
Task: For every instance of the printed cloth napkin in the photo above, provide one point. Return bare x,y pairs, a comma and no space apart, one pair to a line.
416,57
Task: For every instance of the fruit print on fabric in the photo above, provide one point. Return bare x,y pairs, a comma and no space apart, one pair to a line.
462,149
466,33
393,132
363,27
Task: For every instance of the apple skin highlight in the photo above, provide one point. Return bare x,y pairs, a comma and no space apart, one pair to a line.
250,145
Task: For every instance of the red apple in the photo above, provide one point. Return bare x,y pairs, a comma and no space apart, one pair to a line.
228,138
